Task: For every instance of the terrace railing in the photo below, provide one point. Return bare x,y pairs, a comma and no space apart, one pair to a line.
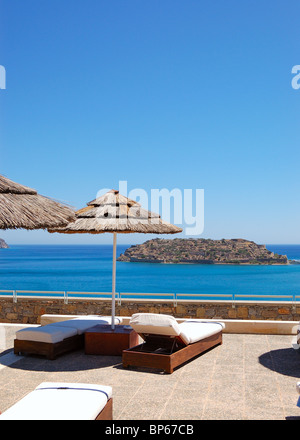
125,296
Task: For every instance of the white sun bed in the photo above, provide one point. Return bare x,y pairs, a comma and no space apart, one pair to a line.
63,401
296,340
54,339
298,390
82,324
169,344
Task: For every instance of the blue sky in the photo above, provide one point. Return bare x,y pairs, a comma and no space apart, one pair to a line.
161,94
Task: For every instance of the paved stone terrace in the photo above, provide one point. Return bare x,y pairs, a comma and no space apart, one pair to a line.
248,377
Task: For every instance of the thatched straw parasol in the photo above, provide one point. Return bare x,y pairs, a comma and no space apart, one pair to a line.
22,207
115,213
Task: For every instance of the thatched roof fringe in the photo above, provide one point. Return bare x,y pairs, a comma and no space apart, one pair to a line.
7,186
114,215
22,207
113,198
121,211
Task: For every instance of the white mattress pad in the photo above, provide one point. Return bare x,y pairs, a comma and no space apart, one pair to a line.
154,323
57,331
83,324
193,331
190,331
60,401
48,333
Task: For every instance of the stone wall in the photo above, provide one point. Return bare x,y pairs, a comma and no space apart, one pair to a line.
29,311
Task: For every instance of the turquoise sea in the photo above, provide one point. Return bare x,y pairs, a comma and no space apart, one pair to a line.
88,268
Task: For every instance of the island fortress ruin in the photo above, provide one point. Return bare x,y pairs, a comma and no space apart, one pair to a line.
202,251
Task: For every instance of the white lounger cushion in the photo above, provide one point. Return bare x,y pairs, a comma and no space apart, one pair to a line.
296,340
58,331
50,334
190,331
154,323
60,401
193,331
101,319
82,324
298,390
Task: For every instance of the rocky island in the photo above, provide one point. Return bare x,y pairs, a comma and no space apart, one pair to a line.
3,245
202,251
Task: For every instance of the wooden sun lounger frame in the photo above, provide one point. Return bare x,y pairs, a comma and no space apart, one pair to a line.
107,411
153,353
50,350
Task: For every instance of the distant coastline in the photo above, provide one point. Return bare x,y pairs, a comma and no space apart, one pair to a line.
3,244
202,251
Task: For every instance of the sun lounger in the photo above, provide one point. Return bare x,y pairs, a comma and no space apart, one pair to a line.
54,339
167,343
298,390
296,340
63,401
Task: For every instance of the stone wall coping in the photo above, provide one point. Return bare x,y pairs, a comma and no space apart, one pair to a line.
231,325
